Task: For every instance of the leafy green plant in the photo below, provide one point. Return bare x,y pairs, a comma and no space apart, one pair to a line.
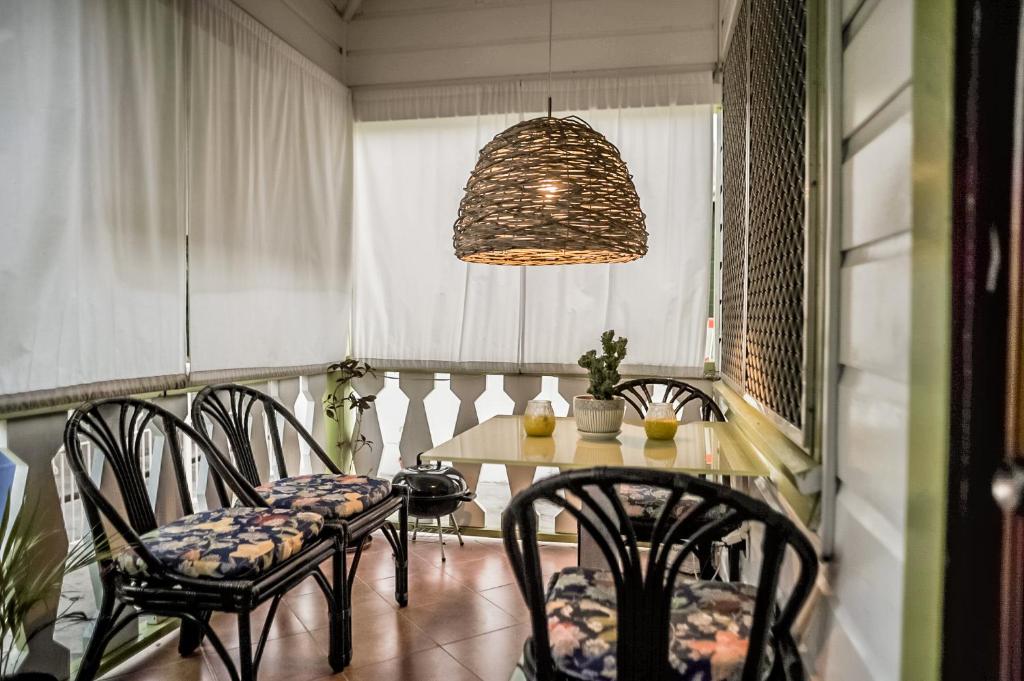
341,398
603,370
26,585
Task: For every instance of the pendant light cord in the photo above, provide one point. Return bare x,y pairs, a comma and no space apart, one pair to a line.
551,22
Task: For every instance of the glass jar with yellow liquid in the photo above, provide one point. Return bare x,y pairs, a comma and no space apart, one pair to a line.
660,422
539,418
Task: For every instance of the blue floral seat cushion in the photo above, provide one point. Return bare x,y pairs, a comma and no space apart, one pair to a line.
335,497
710,627
646,502
228,543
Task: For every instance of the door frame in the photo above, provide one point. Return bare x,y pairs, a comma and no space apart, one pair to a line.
983,130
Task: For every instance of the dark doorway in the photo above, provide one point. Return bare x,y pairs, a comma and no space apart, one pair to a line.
986,65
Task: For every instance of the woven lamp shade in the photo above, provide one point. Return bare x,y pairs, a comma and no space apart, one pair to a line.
550,191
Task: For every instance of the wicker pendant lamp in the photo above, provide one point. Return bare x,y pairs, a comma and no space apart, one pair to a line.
550,191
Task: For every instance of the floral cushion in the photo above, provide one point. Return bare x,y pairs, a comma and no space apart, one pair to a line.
645,502
228,543
332,496
710,627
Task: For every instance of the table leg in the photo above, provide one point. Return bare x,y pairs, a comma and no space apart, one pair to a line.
471,514
519,477
589,553
564,522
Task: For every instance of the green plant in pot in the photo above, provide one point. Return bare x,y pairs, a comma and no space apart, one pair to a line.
26,587
341,400
599,412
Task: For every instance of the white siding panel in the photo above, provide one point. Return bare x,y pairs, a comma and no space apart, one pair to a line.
409,41
848,8
879,177
869,588
876,63
525,23
872,434
841,660
866,607
510,59
874,316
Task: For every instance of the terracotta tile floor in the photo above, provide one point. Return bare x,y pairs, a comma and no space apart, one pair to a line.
465,621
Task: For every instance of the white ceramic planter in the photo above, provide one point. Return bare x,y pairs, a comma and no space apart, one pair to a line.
598,416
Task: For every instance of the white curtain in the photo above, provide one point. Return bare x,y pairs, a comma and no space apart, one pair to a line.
270,188
576,93
92,207
659,302
418,306
127,126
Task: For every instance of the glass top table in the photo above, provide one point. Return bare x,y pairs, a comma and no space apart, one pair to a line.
699,448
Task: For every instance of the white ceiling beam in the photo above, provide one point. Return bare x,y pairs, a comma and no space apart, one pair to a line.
310,26
351,7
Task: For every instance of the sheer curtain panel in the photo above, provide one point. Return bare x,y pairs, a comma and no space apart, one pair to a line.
270,190
158,150
416,306
660,302
92,209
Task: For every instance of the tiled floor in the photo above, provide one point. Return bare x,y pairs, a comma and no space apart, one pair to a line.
465,621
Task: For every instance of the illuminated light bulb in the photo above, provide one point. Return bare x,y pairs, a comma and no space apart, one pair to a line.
550,187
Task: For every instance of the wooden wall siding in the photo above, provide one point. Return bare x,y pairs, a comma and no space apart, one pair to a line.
865,609
310,26
408,41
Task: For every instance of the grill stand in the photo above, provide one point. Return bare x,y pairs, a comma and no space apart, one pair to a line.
440,532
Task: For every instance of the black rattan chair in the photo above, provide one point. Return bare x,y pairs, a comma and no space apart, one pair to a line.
640,618
231,407
639,396
643,502
230,559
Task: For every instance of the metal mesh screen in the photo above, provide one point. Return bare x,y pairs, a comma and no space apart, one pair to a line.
775,241
734,165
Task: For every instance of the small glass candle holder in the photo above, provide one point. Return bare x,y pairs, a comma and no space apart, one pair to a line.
539,418
660,422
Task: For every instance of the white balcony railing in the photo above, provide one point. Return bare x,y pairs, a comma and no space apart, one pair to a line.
413,412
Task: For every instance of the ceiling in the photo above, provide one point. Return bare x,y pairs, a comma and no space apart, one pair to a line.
390,42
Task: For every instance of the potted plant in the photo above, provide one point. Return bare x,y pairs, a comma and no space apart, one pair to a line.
599,412
341,397
25,587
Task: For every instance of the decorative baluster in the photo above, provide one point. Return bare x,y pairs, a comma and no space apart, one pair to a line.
316,386
469,388
549,391
391,406
153,442
416,429
442,407
571,386
366,461
522,389
494,401
162,482
196,464
304,408
273,389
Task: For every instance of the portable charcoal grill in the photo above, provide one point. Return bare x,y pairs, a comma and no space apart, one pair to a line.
435,491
